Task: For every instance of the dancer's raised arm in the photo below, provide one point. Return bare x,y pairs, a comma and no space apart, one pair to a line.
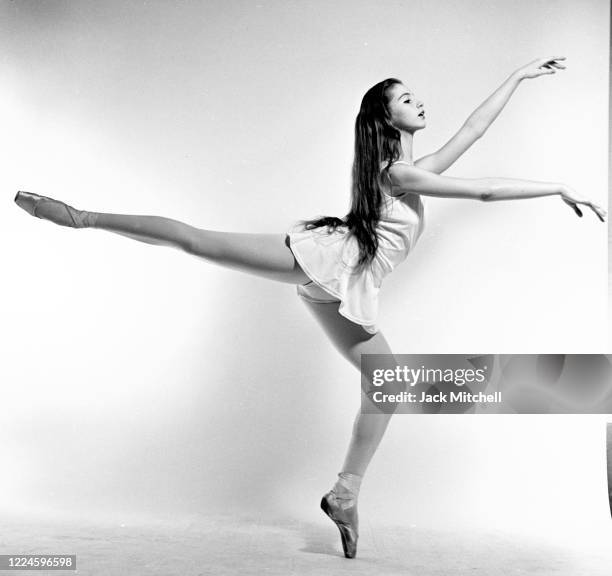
407,178
479,121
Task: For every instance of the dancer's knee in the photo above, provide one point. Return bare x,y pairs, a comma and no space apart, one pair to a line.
199,242
385,397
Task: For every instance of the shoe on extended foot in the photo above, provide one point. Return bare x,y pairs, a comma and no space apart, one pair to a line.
346,519
53,210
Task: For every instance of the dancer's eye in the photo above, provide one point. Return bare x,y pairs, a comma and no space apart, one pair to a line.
407,101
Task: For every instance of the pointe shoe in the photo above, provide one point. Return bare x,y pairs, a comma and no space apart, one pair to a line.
53,210
347,521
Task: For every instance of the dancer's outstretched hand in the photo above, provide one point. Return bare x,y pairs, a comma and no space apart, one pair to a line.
572,198
540,67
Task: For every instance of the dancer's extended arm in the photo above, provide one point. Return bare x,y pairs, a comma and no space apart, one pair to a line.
479,121
412,179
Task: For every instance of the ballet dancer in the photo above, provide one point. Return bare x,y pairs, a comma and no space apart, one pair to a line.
338,264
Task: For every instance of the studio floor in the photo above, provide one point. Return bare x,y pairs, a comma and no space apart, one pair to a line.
228,545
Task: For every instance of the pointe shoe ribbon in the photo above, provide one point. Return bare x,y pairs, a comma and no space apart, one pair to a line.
53,210
346,519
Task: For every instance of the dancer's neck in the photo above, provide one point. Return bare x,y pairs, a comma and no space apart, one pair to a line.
406,143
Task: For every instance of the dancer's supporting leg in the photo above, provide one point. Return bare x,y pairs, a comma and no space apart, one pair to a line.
266,255
352,341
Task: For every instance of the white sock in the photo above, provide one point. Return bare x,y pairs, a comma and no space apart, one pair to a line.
347,488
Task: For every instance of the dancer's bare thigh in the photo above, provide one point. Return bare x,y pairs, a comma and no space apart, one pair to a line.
265,255
349,338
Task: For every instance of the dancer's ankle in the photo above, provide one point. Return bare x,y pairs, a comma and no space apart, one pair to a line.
347,487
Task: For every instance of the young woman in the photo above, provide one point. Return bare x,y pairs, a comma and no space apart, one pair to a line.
338,264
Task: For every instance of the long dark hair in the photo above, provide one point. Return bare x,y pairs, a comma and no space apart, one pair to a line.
376,141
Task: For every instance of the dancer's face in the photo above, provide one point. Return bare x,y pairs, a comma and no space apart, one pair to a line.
406,111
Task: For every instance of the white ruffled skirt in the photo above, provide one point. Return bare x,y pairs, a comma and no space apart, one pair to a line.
330,261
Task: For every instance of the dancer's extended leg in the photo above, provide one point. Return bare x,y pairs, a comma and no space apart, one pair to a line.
266,255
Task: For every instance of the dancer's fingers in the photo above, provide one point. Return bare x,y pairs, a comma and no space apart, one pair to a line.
599,211
575,208
554,59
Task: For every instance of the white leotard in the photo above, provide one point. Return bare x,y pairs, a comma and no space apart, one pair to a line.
330,259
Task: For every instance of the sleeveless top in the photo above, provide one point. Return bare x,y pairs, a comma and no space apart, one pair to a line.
330,259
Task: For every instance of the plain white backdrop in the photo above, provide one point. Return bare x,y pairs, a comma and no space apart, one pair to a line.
140,381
